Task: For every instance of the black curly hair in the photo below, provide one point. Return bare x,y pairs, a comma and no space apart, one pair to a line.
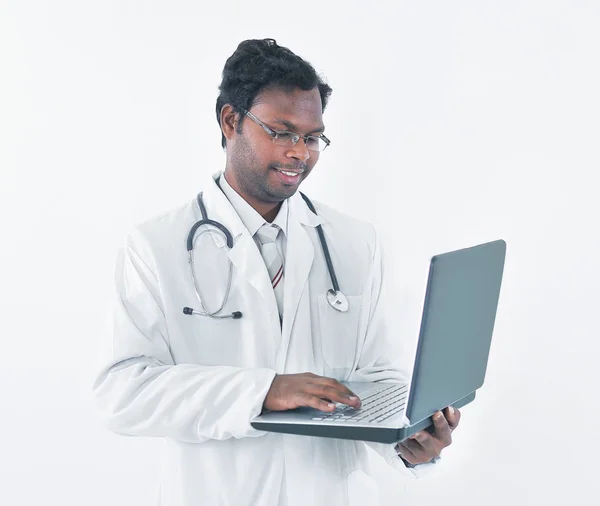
258,64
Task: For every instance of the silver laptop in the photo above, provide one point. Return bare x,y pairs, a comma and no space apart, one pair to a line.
458,318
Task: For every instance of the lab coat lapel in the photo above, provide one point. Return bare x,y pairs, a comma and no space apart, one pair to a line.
245,257
299,259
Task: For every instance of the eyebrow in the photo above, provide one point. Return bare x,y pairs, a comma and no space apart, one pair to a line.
292,127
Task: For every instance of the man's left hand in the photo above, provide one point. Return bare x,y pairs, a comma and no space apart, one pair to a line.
424,446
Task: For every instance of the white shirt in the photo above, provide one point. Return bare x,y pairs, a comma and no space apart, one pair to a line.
252,220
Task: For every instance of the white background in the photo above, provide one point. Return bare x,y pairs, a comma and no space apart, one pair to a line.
452,123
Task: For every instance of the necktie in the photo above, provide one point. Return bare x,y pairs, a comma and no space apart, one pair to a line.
267,234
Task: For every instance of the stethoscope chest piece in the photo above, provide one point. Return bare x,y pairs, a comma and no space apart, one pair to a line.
337,300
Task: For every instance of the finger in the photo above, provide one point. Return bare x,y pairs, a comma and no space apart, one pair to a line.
442,429
430,446
312,401
335,384
334,395
341,388
452,416
332,389
424,438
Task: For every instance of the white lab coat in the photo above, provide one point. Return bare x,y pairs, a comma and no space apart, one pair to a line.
197,382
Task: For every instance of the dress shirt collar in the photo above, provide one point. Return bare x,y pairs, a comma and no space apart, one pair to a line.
251,219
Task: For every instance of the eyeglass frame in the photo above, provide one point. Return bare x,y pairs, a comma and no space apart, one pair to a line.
273,133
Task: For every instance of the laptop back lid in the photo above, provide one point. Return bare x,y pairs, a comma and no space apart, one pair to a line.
456,328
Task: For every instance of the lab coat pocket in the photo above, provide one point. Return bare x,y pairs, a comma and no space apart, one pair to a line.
362,489
339,333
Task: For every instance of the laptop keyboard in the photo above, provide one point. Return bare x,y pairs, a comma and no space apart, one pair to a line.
375,407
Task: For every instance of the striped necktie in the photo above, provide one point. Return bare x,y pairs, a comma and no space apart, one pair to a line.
267,234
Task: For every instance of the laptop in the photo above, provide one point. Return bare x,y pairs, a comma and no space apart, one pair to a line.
457,323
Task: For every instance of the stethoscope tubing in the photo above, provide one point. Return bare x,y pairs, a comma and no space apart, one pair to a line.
334,295
324,247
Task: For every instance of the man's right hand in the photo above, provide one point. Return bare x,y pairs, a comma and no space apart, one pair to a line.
290,391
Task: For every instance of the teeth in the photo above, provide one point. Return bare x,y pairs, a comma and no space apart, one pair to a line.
289,173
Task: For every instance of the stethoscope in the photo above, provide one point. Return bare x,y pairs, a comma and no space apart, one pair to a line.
336,299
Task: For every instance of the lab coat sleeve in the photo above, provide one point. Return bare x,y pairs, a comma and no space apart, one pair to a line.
385,357
140,391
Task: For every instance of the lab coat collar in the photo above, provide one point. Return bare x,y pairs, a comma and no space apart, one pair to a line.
245,255
252,220
297,207
220,209
214,197
300,211
249,263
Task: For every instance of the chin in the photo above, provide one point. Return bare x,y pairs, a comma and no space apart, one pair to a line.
279,192
287,192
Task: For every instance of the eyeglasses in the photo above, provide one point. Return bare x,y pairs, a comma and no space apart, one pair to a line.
285,138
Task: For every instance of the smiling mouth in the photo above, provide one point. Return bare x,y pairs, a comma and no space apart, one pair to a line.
290,173
289,177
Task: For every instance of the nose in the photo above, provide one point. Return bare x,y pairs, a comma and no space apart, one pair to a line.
299,151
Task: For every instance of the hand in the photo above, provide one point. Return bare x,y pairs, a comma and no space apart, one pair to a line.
425,446
289,391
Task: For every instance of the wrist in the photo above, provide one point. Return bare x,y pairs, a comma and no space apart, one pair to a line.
407,463
410,465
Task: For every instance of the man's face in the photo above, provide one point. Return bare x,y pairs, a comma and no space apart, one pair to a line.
257,162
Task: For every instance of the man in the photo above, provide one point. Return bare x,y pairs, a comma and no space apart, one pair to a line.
198,379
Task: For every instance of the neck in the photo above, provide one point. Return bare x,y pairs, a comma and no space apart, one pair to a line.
266,209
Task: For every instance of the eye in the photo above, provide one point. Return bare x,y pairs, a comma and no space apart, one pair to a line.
312,142
285,138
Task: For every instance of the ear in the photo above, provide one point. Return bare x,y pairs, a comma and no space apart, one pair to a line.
229,120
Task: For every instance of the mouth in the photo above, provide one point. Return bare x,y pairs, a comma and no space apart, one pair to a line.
290,172
289,176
